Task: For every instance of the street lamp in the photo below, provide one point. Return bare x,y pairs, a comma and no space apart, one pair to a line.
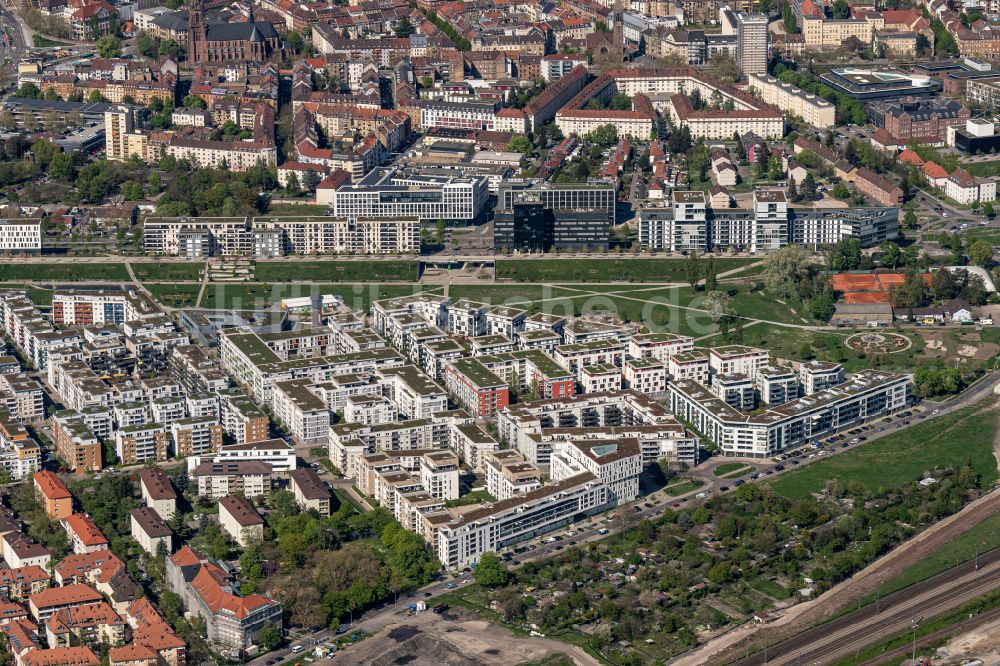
913,656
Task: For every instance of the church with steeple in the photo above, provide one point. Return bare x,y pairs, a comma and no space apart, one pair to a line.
248,40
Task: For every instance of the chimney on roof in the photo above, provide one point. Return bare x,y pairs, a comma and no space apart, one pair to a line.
317,309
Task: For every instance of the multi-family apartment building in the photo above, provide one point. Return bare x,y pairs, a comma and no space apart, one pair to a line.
75,442
20,236
867,395
218,479
310,491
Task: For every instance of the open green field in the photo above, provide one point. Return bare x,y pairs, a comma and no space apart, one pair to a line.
656,315
944,441
174,295
69,271
517,295
261,295
381,270
989,234
601,270
168,271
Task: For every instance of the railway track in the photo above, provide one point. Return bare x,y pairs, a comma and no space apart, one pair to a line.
902,651
861,627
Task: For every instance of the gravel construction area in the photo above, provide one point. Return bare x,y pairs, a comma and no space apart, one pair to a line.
453,639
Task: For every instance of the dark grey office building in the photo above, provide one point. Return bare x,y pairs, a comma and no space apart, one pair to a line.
531,226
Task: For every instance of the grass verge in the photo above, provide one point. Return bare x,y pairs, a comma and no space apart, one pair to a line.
965,435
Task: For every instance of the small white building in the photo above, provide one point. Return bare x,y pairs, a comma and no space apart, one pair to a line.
150,531
158,493
240,520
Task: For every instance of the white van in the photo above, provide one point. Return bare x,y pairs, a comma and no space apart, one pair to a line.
297,649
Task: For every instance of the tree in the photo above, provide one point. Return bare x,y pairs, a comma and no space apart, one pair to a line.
426,81
295,41
61,166
28,90
788,19
821,306
109,46
890,255
194,102
981,253
808,189
404,28
693,270
786,268
269,637
605,135
491,572
717,304
171,606
910,220
310,179
519,144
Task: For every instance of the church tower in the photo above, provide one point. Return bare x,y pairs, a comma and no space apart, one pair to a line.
196,33
618,16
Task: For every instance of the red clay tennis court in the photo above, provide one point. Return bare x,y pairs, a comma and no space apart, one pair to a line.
851,282
857,297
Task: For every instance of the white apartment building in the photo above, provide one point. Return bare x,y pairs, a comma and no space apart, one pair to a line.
616,463
751,43
660,346
394,193
150,531
301,411
472,444
600,378
692,365
219,479
467,318
269,237
645,375
509,474
462,541
777,385
415,395
240,520
276,452
597,352
369,410
811,108
868,395
17,236
158,493
738,360
439,474
518,423
311,493
818,376
503,320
